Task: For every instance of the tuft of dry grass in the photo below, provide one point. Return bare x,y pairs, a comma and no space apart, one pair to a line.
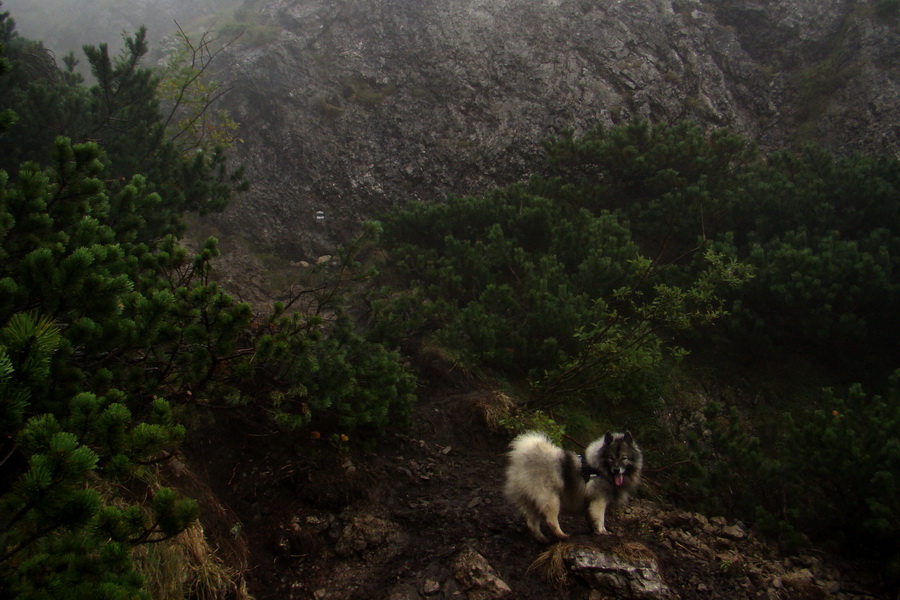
633,551
186,566
494,407
551,564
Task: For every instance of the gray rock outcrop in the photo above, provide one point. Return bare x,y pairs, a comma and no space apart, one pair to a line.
353,105
632,572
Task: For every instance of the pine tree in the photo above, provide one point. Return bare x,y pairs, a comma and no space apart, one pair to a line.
60,536
121,112
528,281
87,307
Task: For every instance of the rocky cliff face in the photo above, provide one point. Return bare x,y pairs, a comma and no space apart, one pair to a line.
353,105
836,66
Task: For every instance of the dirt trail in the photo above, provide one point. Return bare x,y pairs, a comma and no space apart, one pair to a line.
388,525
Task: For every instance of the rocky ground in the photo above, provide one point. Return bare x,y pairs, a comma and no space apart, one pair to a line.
424,518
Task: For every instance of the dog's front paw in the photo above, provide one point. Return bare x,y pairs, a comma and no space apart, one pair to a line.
602,531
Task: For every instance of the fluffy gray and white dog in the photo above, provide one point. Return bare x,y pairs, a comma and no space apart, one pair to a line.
542,479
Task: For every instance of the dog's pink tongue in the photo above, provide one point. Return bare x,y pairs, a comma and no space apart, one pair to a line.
620,479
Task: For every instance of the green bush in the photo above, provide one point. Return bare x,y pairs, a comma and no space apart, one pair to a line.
820,231
827,474
539,281
328,379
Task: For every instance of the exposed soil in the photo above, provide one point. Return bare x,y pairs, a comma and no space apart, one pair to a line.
327,525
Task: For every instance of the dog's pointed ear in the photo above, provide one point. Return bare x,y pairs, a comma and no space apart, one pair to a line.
608,438
628,438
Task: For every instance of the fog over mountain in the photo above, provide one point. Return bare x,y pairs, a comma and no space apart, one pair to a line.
64,26
348,106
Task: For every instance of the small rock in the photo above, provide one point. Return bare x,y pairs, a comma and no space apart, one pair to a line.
733,532
801,584
476,575
679,520
431,587
404,592
801,576
365,532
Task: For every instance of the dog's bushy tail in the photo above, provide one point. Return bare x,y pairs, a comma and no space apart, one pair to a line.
529,442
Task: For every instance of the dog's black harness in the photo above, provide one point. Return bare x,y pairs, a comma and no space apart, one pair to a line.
587,471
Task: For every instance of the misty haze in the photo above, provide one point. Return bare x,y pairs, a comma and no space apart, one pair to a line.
282,280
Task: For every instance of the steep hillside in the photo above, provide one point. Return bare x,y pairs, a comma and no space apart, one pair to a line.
350,106
425,518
